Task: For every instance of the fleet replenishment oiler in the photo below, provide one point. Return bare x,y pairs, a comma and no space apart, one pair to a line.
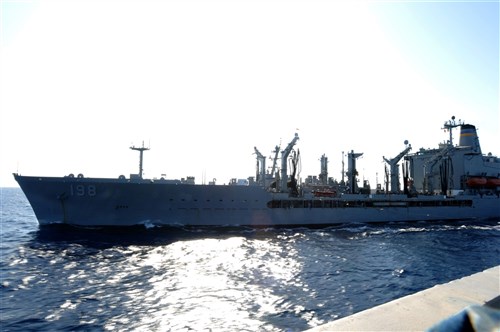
450,182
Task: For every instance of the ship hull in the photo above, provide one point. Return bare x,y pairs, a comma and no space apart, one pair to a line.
117,202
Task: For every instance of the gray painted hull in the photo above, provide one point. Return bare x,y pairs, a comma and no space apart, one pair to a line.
116,202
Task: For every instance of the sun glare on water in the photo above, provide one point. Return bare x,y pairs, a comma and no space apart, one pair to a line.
204,283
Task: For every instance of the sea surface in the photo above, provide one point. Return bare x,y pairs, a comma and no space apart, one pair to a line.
220,279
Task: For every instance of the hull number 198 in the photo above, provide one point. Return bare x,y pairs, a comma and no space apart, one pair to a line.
82,190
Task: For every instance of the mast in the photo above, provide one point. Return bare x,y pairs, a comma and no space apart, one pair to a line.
449,125
141,151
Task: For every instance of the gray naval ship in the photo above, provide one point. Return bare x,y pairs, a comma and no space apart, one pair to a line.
450,182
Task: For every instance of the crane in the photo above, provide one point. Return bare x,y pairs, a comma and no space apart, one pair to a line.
261,167
284,156
393,163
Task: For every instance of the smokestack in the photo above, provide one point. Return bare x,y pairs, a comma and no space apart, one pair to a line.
468,137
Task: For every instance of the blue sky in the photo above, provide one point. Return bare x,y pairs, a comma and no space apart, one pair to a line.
455,44
203,82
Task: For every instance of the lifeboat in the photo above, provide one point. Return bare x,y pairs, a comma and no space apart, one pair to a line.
493,182
325,193
476,182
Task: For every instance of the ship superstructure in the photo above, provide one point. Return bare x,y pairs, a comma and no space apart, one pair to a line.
455,169
450,182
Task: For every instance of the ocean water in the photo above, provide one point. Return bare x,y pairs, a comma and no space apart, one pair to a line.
219,279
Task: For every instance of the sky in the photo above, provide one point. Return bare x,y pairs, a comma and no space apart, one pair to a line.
203,82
